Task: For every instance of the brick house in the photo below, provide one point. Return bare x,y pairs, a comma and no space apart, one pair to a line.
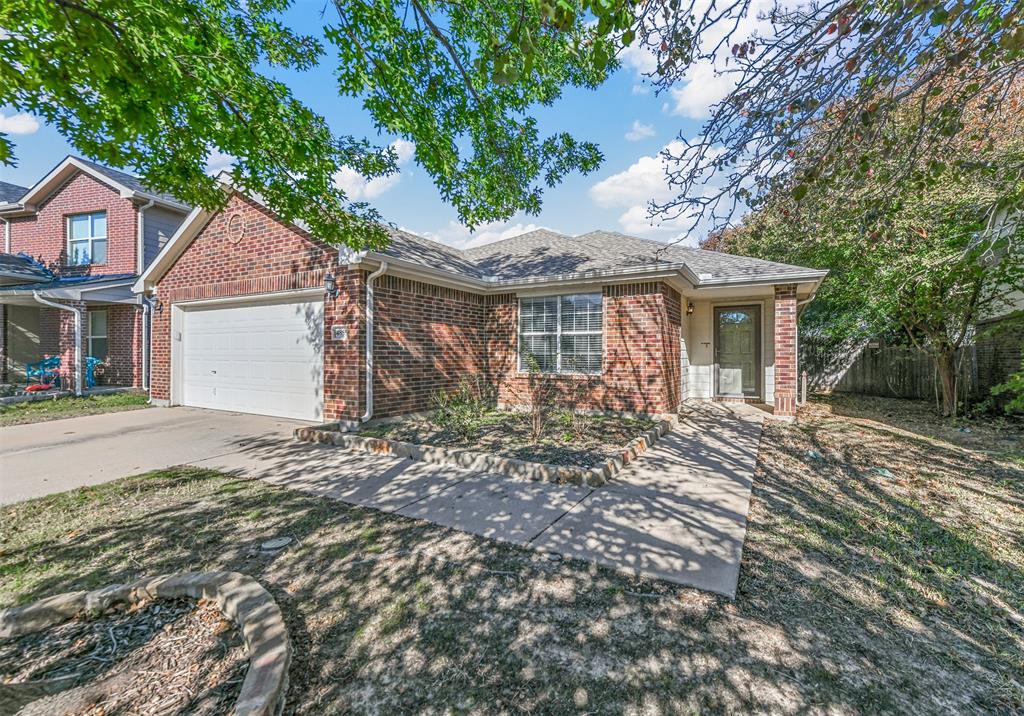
74,244
253,314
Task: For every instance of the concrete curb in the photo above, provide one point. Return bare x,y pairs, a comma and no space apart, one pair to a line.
487,462
239,597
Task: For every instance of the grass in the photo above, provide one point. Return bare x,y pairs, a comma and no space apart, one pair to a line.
568,439
38,411
859,593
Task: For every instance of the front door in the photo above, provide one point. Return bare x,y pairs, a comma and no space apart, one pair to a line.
738,351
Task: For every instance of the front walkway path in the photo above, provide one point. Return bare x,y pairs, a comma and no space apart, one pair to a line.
678,513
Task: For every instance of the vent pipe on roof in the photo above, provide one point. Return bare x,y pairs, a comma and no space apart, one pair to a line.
369,339
78,336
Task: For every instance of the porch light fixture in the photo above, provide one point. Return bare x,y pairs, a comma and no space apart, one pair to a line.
689,308
158,306
331,286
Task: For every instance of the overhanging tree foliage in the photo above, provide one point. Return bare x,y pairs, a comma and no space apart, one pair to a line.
158,86
930,259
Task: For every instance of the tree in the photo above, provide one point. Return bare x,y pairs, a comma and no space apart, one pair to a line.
930,258
157,87
844,71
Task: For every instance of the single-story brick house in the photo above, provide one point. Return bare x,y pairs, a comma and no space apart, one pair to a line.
254,314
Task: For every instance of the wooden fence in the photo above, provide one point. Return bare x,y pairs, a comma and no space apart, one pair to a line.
893,372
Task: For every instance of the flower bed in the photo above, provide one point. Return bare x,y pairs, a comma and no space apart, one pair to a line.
573,448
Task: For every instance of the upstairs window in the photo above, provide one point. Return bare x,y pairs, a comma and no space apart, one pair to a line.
562,333
87,238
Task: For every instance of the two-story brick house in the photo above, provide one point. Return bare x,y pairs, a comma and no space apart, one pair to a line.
73,245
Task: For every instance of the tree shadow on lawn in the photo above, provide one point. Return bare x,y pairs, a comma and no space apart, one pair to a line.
854,596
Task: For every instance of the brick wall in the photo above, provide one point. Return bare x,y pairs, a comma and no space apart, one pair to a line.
426,339
269,257
124,344
641,352
44,235
785,349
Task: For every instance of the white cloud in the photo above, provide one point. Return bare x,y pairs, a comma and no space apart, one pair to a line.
643,182
218,161
359,188
640,89
21,123
455,234
704,87
639,131
706,83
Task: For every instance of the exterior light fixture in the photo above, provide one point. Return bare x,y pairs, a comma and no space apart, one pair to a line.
331,286
689,308
158,306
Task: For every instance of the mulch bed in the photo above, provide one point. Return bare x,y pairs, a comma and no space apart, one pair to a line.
165,657
581,441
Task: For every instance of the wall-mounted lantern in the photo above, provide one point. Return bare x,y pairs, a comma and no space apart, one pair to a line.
331,286
689,308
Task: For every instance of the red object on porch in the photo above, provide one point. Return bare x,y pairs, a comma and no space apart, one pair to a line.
37,387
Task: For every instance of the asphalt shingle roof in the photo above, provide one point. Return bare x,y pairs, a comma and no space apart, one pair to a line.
10,193
128,180
543,253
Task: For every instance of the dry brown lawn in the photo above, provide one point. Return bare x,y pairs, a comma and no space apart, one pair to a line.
883,572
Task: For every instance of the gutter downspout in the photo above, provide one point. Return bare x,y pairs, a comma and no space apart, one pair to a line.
147,338
7,236
369,339
140,248
78,337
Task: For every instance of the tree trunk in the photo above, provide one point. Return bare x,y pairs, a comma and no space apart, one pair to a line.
945,366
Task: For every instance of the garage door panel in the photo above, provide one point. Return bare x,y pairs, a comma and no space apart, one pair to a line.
261,358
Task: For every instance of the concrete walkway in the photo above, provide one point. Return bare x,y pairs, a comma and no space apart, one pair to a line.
678,513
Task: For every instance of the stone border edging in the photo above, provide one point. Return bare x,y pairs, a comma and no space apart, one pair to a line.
487,462
239,597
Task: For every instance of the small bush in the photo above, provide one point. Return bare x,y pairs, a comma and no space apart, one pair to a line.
461,410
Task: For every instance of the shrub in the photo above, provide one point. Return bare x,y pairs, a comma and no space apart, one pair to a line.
461,410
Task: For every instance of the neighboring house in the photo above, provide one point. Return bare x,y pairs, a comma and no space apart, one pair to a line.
253,314
79,237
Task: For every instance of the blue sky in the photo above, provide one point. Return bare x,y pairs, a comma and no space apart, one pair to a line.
623,116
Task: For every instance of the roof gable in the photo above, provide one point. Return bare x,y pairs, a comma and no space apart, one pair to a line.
128,186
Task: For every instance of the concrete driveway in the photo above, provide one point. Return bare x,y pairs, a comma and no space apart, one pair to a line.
43,458
678,513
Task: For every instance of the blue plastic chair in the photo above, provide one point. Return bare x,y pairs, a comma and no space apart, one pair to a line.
90,366
45,371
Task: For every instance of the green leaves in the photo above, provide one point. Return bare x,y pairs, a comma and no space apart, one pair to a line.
156,87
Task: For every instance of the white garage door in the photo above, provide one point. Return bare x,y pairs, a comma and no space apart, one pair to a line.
264,358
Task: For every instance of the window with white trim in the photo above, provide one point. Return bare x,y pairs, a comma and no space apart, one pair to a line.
561,333
98,334
87,238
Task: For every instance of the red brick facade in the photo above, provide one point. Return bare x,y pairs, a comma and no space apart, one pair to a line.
641,352
44,235
428,337
785,349
269,257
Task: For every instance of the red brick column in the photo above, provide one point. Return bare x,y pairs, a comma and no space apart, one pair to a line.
785,349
